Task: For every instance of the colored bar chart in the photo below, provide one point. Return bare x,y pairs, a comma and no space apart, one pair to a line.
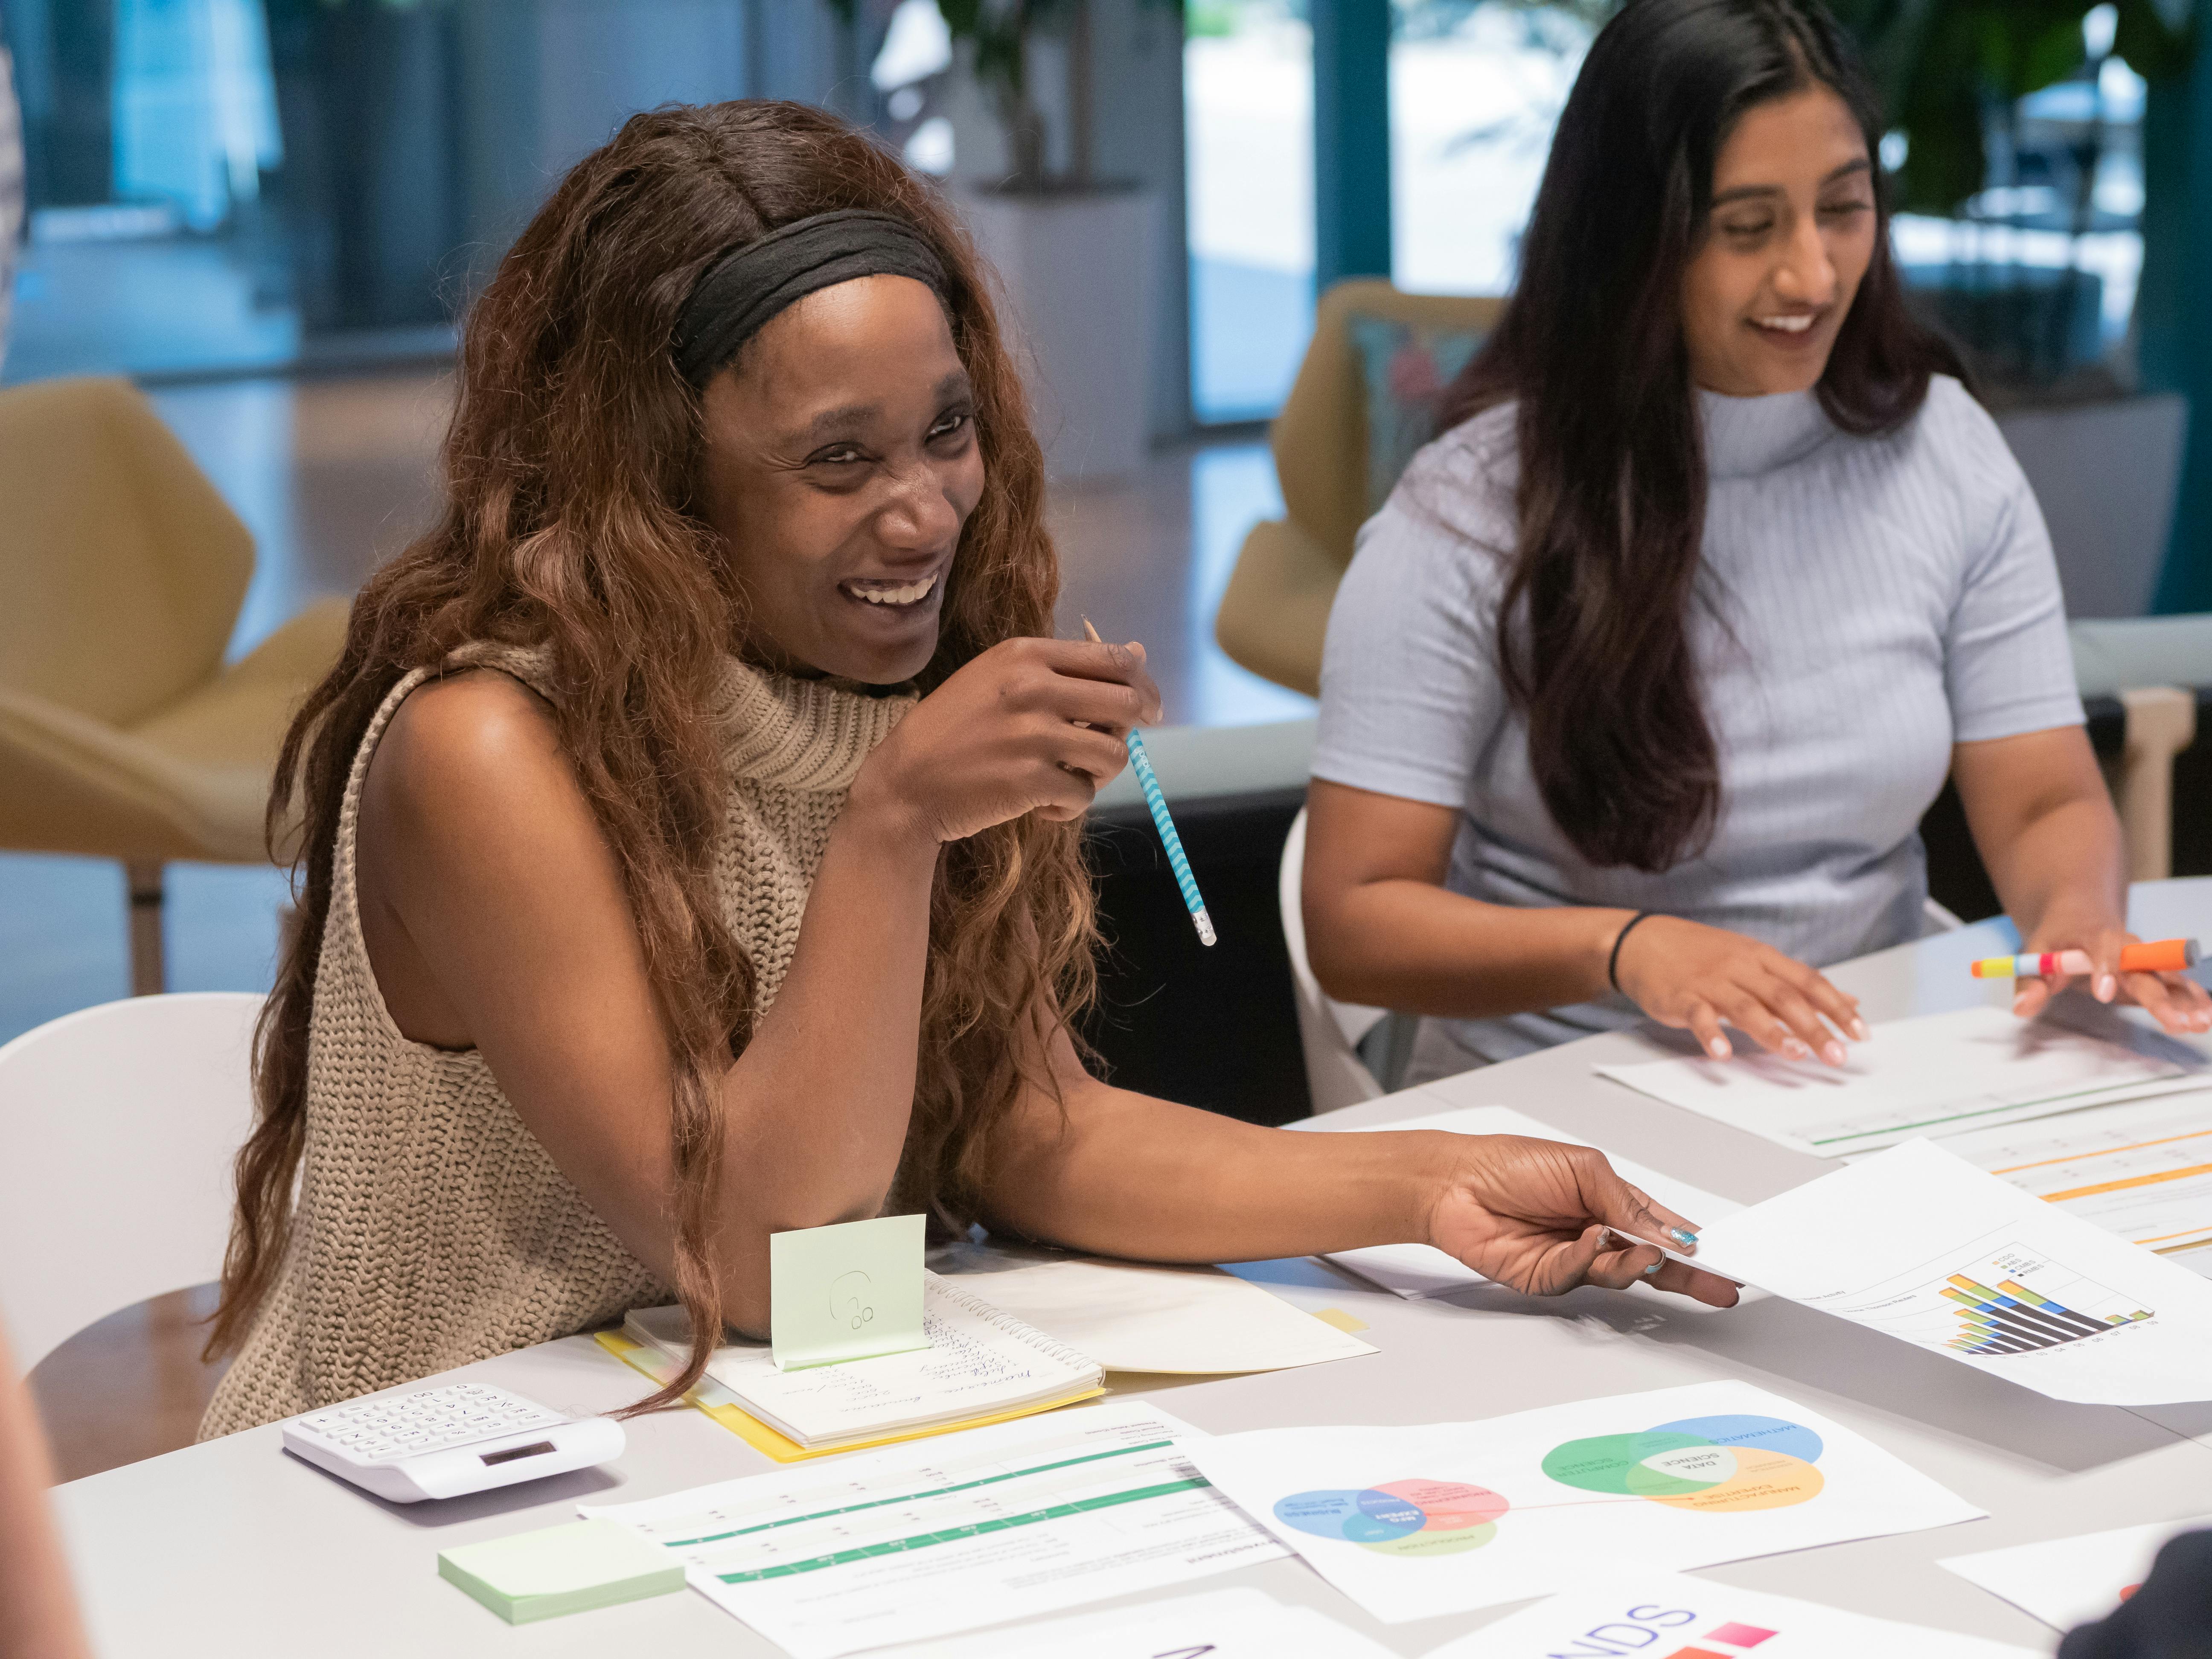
2014,1319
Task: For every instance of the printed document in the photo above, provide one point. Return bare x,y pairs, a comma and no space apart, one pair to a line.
1666,1615
1415,1523
980,1361
1937,1075
1414,1271
2141,1168
1226,1624
1918,1243
2066,1581
954,1533
1130,1317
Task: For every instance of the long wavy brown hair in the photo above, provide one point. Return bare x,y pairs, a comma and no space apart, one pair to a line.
1593,642
569,525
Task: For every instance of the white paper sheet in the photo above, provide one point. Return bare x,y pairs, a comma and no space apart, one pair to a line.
1226,1624
2141,1168
1664,1613
979,1362
1937,1075
2066,1581
954,1534
1414,1271
1415,1523
1192,1320
1918,1243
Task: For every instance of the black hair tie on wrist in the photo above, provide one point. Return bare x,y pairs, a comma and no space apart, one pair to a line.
1612,961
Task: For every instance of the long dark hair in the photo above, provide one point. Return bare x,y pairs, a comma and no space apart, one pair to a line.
569,472
1594,643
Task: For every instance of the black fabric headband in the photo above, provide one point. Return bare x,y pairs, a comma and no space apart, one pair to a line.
748,285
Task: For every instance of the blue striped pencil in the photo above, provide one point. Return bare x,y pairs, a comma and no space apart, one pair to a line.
1141,764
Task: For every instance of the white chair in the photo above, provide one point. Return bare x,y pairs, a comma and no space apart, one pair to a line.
118,1125
1329,1031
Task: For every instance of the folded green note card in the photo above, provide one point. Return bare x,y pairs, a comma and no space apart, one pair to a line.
850,1292
557,1570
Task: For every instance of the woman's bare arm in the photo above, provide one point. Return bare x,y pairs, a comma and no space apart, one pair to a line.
1103,1169
1382,929
38,1603
2047,833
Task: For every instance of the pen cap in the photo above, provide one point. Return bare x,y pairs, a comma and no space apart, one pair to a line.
2165,955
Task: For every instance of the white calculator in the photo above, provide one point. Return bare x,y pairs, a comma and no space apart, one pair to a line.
442,1442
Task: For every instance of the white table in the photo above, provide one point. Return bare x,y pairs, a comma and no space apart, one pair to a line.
233,1550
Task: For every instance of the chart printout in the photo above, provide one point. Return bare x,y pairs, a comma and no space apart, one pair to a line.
2141,1168
1416,1522
1937,1075
1666,1615
1918,1243
955,1533
2066,1581
1414,1271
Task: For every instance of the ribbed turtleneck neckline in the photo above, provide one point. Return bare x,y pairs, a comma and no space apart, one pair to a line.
802,734
1747,436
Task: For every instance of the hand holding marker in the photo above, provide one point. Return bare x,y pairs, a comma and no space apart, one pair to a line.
2165,955
1141,763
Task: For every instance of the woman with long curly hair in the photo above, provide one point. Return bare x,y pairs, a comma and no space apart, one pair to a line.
691,827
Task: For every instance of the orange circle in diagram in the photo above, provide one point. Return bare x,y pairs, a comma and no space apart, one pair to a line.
1762,1481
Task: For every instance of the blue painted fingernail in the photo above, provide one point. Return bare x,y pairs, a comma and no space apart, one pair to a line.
1682,1235
1652,1271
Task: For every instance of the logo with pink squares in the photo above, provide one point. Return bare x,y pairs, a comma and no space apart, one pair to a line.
1729,1640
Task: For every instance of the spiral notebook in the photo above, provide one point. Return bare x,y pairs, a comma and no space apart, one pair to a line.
981,1362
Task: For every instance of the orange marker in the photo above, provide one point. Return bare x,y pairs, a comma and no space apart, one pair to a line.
2162,956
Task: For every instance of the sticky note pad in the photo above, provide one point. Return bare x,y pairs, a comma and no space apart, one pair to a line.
850,1292
557,1570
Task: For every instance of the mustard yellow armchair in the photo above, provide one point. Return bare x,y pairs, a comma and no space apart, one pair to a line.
1275,609
122,734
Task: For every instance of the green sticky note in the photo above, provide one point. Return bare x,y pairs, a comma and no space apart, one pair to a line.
557,1570
850,1292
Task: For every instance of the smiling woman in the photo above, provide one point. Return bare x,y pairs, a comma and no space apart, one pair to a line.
692,848
1638,686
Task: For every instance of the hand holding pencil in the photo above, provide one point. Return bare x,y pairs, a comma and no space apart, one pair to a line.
1141,763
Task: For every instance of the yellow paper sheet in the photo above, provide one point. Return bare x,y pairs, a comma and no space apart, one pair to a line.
719,1404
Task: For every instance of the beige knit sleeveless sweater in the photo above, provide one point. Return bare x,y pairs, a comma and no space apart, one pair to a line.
432,1229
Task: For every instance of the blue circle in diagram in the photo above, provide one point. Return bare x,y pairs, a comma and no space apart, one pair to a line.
1757,1433
1365,1517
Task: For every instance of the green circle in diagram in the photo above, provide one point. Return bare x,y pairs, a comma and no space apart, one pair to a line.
1615,1463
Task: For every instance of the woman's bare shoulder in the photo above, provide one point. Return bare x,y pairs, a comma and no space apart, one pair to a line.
471,755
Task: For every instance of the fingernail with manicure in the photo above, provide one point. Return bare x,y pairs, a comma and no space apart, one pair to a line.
1652,1271
1720,1049
1796,1050
1833,1053
2107,988
1859,1029
1681,1236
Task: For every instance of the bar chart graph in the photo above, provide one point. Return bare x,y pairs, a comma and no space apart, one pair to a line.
2010,1318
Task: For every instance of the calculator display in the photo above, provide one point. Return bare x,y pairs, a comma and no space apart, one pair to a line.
539,1450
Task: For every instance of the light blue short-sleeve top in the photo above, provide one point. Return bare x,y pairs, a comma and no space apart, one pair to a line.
1864,603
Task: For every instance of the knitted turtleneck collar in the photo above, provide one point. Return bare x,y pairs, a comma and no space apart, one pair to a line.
801,734
1747,436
